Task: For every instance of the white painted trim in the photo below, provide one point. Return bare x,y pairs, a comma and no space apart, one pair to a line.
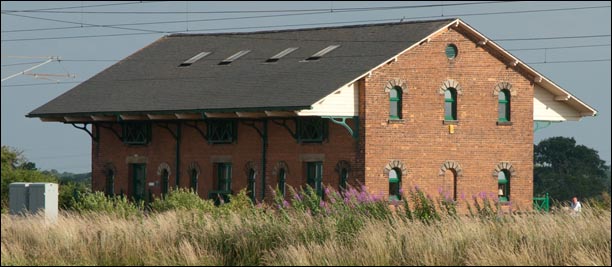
343,102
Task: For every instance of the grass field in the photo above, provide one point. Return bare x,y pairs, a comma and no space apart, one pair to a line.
295,235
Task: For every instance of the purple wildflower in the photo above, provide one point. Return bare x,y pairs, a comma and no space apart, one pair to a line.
285,203
463,196
440,190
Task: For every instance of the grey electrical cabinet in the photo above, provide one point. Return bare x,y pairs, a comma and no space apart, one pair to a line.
34,198
44,198
18,197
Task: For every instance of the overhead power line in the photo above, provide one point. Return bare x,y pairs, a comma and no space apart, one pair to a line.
89,6
278,26
82,23
260,11
290,14
558,47
570,61
310,12
24,63
170,22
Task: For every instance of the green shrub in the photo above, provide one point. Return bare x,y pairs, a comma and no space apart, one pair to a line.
239,203
70,193
181,199
99,203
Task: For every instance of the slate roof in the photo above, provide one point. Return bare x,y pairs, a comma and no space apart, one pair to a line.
151,81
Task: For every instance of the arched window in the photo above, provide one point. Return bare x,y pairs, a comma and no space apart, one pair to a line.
282,179
193,175
451,181
251,184
395,101
165,183
343,178
503,185
395,181
450,104
110,183
504,106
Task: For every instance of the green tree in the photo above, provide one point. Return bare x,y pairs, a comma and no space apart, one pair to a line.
564,169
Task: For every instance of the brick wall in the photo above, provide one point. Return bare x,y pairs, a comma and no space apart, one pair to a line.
195,149
422,143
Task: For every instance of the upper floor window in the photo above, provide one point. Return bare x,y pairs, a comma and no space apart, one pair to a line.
395,101
311,129
450,104
221,131
136,133
504,106
451,51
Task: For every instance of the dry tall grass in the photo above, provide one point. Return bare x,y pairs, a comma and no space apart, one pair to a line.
267,237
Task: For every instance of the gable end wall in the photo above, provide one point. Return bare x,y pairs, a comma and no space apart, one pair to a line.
422,141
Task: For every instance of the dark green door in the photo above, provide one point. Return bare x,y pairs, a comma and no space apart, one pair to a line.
138,181
314,174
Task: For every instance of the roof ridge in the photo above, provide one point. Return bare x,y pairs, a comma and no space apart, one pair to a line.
311,29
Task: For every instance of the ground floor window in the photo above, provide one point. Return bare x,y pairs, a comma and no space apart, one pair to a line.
395,178
314,175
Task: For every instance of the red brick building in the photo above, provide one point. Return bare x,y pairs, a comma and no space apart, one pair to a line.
433,104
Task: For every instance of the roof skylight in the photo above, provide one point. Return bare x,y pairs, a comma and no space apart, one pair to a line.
193,59
234,57
281,54
322,52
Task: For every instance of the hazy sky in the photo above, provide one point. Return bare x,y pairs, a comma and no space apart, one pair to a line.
53,145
